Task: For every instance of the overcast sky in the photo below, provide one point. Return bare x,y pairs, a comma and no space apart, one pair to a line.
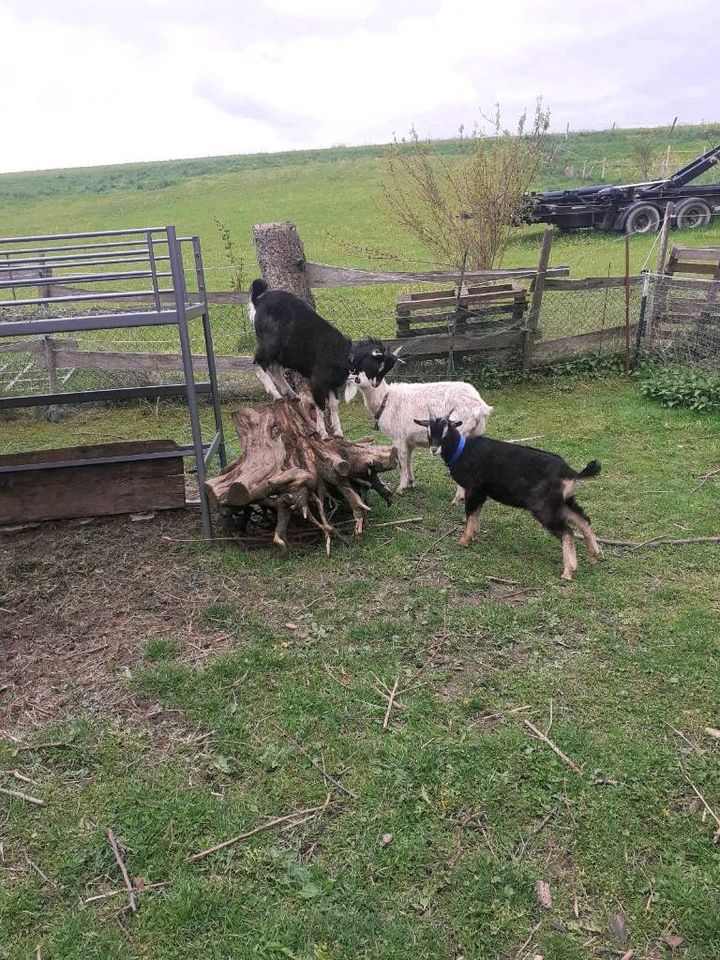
85,82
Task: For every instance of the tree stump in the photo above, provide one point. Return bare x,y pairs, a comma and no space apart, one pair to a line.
288,470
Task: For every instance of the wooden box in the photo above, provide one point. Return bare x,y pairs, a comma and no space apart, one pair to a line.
91,490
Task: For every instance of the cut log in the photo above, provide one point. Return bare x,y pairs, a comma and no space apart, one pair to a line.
288,469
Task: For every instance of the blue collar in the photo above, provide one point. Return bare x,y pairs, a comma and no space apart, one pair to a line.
458,450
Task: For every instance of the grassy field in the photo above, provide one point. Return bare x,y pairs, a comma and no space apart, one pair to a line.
181,697
334,196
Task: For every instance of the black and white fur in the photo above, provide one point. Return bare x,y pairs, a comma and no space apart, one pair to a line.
518,476
292,336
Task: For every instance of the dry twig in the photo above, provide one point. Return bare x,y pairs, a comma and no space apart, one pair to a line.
526,944
498,716
321,770
22,796
132,904
716,835
653,543
315,811
391,700
115,893
553,746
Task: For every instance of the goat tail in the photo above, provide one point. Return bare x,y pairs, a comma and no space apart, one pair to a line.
591,470
257,289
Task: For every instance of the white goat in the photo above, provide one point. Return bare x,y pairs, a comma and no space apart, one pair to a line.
396,406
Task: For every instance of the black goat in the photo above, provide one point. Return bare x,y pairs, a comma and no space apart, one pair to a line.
292,336
524,477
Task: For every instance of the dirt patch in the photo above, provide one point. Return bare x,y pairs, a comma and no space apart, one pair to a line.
80,602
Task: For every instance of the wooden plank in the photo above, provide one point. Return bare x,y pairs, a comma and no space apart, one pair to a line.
697,253
702,269
91,490
589,283
325,275
475,300
549,350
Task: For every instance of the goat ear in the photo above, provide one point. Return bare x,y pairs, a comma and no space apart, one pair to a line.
377,353
421,423
351,389
455,423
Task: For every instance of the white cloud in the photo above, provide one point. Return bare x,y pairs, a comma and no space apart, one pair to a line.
84,83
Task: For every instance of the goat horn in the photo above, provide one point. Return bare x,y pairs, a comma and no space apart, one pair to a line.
397,352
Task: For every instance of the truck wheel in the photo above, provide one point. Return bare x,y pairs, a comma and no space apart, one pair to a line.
692,213
644,218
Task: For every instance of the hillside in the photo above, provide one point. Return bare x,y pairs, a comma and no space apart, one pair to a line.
333,195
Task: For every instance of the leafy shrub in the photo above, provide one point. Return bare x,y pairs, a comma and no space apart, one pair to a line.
681,387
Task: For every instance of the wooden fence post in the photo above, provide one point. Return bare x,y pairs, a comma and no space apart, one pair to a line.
44,289
281,258
658,301
51,363
536,304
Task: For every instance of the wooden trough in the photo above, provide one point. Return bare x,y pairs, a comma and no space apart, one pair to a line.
81,488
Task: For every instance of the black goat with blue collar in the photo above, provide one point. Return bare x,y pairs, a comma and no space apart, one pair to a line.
517,476
291,335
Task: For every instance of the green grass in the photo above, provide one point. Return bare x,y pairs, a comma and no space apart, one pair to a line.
625,654
335,198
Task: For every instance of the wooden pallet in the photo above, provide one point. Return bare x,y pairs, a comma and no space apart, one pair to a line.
480,309
697,261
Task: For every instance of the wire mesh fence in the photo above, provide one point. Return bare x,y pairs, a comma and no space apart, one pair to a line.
683,322
140,355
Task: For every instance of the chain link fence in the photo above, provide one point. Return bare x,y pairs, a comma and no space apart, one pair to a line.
682,325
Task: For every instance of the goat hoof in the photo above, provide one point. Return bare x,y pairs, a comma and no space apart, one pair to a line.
567,575
464,541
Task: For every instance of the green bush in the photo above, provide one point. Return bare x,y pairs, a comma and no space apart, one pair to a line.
681,387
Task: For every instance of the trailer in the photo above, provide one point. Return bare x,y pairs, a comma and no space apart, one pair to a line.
633,207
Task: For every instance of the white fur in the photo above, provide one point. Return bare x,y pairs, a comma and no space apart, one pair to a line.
407,402
251,312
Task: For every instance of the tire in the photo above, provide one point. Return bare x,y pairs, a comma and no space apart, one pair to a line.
692,213
643,218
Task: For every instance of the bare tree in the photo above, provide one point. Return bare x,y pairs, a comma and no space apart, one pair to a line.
643,153
470,199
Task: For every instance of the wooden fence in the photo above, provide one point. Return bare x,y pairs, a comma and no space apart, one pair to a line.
501,344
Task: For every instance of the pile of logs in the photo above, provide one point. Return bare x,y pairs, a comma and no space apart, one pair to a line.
290,473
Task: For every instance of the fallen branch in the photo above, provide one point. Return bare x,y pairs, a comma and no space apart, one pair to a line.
22,796
132,903
265,826
553,746
391,700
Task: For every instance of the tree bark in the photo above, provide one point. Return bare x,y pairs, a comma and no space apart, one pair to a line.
286,467
281,257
